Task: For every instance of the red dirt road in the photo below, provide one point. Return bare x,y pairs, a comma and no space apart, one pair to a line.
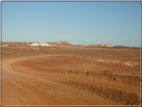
22,89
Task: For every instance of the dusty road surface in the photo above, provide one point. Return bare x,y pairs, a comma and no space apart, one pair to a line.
65,77
22,89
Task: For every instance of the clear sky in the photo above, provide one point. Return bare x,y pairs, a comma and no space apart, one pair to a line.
76,22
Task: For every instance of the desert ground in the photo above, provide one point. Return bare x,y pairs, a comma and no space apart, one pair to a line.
69,75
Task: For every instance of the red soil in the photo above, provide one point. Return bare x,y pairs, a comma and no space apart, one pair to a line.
70,76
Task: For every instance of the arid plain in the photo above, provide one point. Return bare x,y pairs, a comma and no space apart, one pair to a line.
70,75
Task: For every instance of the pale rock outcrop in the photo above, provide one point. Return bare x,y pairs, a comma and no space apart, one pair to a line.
101,45
106,45
44,44
35,44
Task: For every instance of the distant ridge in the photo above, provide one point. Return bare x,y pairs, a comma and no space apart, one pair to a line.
61,43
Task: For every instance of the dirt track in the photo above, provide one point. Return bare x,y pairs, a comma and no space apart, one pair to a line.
22,89
22,85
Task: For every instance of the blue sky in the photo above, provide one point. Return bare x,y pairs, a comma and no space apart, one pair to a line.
76,22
